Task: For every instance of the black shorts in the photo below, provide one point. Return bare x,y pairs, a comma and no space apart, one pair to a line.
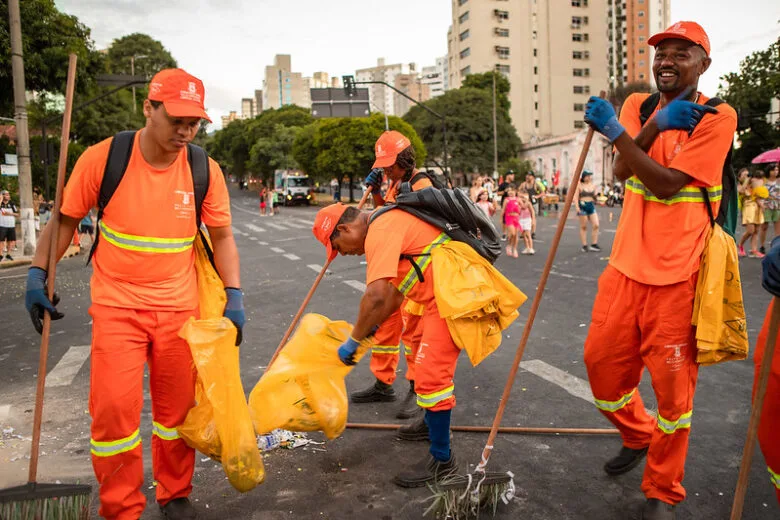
87,228
8,233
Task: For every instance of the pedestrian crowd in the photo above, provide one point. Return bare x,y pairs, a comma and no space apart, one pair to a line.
759,201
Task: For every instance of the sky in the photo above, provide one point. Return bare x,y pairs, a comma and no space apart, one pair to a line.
228,43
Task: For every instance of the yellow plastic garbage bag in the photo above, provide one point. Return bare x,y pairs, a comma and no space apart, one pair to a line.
475,299
718,311
219,425
304,389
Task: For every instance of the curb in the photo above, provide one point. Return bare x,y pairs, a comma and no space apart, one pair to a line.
72,251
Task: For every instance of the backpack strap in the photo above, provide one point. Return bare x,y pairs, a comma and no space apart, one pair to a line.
714,102
199,165
648,106
118,158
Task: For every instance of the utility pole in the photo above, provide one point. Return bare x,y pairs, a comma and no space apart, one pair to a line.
28,238
495,131
132,73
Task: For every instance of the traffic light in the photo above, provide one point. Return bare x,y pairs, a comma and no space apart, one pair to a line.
350,89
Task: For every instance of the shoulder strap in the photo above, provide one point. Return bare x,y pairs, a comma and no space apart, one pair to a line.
648,106
199,165
118,158
713,102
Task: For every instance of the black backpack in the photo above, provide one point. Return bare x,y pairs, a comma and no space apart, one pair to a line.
430,176
727,213
119,157
453,212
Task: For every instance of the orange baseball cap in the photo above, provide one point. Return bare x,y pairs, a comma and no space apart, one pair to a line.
181,94
325,224
388,146
690,31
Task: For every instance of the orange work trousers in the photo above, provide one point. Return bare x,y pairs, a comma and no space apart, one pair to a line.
435,363
634,326
770,414
401,326
123,341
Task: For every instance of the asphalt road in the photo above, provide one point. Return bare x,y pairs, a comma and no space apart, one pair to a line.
557,477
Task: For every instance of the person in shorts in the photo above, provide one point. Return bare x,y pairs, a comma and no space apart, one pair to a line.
771,206
755,196
8,214
87,227
585,201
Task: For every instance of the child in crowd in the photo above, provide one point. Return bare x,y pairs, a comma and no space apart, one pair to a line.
755,195
485,205
527,224
512,220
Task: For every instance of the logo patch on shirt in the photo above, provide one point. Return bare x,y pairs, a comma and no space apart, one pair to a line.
184,203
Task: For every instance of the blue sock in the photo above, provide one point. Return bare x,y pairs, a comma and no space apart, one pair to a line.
439,433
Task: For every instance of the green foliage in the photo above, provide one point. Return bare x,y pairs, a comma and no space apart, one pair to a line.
151,56
469,116
484,81
617,95
518,166
750,92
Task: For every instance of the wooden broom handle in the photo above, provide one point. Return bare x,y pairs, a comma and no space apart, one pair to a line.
52,269
309,295
755,413
503,429
537,301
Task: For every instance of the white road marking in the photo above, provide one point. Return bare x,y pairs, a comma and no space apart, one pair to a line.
276,226
291,256
257,229
360,286
5,411
304,221
255,213
237,231
13,276
314,267
67,368
572,384
278,250
3,357
290,239
263,243
292,224
252,238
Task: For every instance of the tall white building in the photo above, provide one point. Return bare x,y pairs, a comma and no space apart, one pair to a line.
381,97
282,86
436,77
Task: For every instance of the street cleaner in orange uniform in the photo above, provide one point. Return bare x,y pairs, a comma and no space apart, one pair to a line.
769,426
395,158
390,279
643,309
143,289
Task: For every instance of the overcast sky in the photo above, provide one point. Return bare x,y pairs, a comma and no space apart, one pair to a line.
228,43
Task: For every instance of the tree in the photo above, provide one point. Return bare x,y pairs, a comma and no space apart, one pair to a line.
150,55
750,91
274,152
518,166
484,81
469,116
618,95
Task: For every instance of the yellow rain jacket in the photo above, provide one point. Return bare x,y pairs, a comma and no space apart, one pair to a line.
718,313
476,300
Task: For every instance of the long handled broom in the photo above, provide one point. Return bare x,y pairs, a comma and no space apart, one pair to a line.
755,413
462,496
35,501
309,295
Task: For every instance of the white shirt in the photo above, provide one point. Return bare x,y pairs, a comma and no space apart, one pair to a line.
7,210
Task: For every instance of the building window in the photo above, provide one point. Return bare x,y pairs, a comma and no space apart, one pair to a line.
503,52
579,3
534,53
586,55
501,32
579,124
641,63
465,52
585,37
536,88
577,72
536,105
461,2
463,17
641,76
641,38
576,22
640,14
503,69
465,71
641,26
576,55
464,35
533,34
641,51
576,37
579,107
578,89
501,15
586,72
536,123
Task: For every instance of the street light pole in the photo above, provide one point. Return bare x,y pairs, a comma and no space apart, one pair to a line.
132,73
495,131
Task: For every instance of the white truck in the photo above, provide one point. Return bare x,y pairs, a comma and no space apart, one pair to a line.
293,188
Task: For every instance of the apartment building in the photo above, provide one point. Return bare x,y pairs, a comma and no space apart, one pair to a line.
381,97
248,108
232,116
553,52
436,77
412,86
282,86
630,25
258,102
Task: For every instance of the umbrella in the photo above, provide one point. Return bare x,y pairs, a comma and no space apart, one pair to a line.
768,157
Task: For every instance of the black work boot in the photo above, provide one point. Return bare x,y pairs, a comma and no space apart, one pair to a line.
425,471
416,431
179,509
657,510
626,460
408,407
378,392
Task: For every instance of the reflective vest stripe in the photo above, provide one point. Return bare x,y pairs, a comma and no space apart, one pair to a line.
110,448
145,244
687,194
411,278
669,427
431,400
166,434
614,406
774,477
385,349
407,350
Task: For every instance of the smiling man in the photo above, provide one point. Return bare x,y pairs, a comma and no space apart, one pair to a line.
672,165
143,289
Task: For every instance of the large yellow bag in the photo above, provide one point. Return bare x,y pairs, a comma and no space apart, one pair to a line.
219,425
304,389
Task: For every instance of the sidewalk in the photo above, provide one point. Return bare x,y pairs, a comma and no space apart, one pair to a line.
27,260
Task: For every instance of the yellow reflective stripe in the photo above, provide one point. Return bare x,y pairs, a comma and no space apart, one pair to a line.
614,406
774,477
145,244
411,278
669,427
686,194
407,350
385,349
109,448
166,434
431,400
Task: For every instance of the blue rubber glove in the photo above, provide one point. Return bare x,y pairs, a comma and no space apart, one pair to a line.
36,301
770,278
681,115
347,351
600,115
374,179
234,311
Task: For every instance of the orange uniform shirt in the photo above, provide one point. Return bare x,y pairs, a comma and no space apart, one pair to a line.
392,235
152,203
392,191
659,242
